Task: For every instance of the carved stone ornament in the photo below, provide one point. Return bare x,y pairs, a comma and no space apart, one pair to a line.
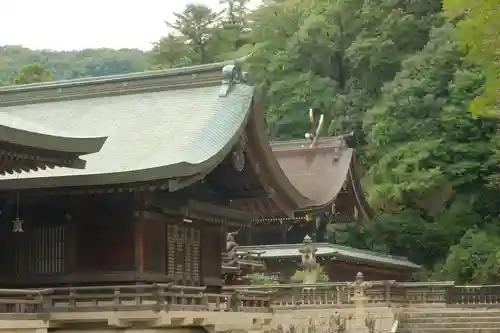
238,159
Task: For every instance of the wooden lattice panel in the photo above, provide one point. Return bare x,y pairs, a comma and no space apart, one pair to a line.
183,253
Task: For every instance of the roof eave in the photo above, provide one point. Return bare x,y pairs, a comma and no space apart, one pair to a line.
142,175
54,143
285,189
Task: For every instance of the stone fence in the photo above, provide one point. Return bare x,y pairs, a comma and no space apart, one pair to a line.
42,303
340,294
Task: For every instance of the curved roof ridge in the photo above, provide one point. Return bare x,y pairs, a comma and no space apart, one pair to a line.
293,197
121,77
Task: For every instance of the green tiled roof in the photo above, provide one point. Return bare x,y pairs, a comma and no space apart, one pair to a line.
18,131
159,125
329,250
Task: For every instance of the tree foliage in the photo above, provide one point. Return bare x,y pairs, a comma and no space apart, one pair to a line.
478,31
70,64
321,275
259,279
33,73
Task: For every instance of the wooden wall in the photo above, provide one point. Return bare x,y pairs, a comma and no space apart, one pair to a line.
103,242
40,250
66,239
178,250
346,271
213,244
106,239
341,271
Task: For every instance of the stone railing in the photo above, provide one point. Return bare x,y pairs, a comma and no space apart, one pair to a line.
380,292
26,304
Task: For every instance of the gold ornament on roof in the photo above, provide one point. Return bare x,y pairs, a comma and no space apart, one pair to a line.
315,131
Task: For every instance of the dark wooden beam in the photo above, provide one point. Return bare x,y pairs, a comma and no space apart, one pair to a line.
246,194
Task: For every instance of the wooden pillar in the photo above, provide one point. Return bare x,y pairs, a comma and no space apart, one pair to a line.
70,244
248,236
283,233
211,266
139,244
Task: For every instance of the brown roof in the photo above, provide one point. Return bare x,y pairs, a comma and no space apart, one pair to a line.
316,173
319,173
305,179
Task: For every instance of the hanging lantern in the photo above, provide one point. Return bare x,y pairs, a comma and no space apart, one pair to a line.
17,225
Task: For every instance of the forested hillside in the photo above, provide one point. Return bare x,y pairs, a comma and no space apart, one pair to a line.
70,64
400,74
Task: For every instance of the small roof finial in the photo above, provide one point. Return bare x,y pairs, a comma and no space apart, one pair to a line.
307,239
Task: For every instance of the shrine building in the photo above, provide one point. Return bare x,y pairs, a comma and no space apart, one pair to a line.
174,160
339,262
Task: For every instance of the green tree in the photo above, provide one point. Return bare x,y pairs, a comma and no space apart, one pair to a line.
234,33
259,279
331,56
478,30
171,51
476,258
196,28
430,157
33,73
71,64
321,275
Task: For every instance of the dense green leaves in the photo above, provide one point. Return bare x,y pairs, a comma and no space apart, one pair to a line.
70,64
394,74
33,73
478,31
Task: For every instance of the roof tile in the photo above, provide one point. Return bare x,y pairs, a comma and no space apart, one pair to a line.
146,132
327,249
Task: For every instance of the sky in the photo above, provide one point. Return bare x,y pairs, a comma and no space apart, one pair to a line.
73,25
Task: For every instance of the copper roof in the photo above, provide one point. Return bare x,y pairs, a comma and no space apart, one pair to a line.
328,250
30,146
160,125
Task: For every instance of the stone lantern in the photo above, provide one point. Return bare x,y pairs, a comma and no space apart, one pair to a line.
231,255
361,319
308,253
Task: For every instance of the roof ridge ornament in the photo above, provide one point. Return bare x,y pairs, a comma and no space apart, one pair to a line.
231,75
342,145
315,131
